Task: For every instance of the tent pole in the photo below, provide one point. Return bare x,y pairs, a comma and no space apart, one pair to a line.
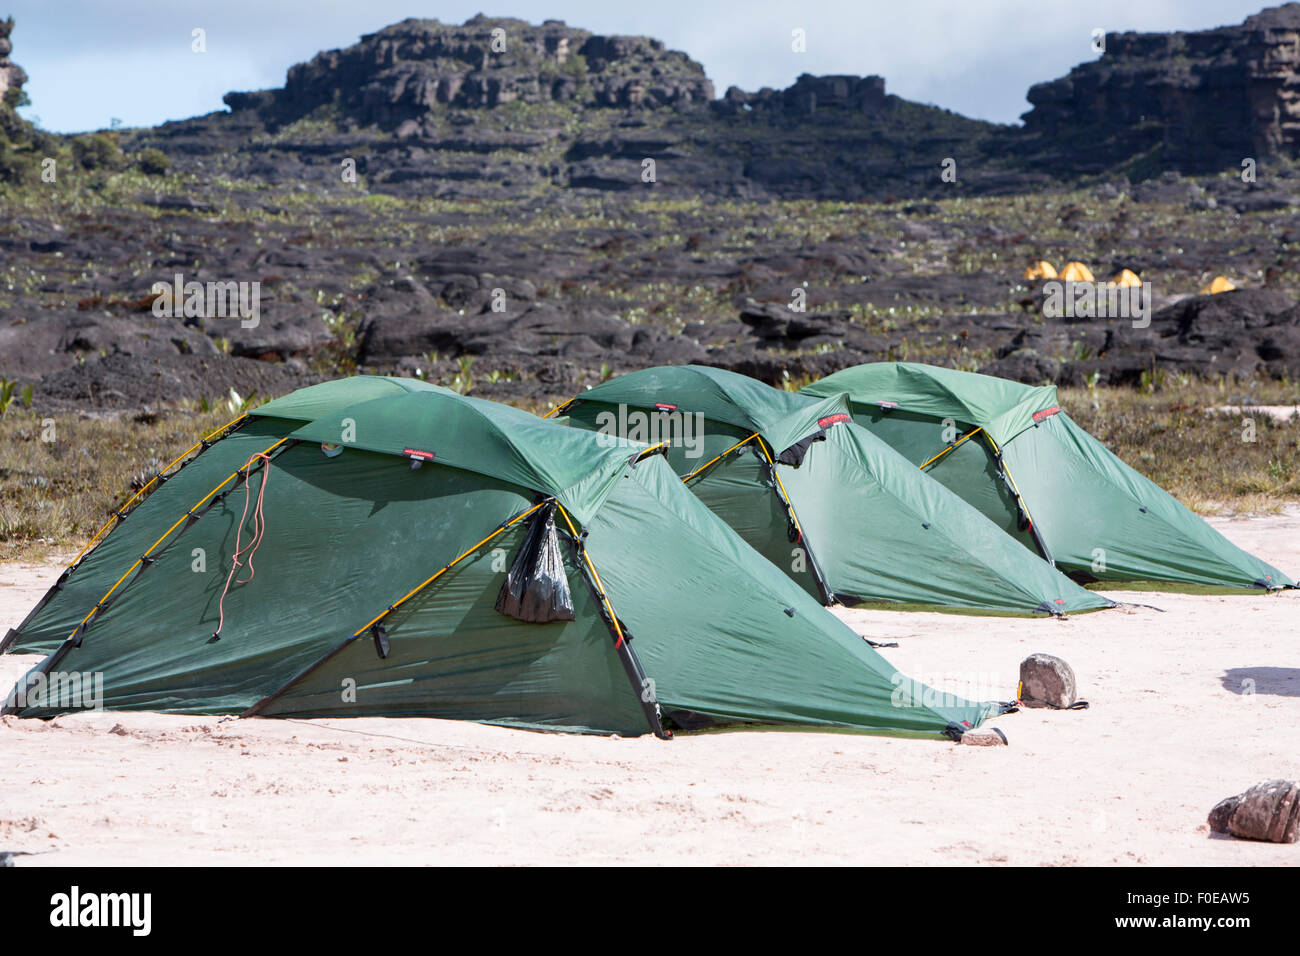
189,516
116,518
642,686
828,596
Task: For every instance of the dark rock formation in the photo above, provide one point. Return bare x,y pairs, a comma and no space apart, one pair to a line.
862,93
404,71
1198,102
427,108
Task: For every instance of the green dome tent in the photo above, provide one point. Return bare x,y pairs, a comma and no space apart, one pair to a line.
405,551
1010,451
833,506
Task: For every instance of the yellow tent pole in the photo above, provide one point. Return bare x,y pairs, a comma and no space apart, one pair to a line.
595,576
1020,499
930,461
719,457
559,408
126,504
784,495
441,571
201,502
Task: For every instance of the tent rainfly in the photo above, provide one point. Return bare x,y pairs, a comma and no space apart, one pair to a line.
1010,450
378,546
833,506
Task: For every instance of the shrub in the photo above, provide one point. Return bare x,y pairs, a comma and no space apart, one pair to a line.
97,151
152,162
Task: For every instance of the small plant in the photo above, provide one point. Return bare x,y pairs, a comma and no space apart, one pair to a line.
9,392
463,380
1151,380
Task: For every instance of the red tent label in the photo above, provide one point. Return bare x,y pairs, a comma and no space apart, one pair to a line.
829,420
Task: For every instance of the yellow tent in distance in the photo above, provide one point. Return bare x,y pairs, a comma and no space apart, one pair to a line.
1076,272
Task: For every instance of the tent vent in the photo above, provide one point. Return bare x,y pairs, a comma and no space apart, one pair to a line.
536,588
794,455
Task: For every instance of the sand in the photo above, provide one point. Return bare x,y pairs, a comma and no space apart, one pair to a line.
1172,729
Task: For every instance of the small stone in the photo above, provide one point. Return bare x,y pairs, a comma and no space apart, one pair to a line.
1047,681
984,738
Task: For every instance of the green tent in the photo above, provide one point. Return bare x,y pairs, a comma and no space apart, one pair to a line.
405,551
1010,451
836,508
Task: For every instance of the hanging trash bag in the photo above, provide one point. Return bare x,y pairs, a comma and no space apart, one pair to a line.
536,588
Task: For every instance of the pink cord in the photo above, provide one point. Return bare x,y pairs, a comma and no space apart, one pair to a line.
259,531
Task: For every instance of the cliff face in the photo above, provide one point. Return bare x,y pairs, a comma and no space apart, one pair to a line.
500,108
405,70
1195,102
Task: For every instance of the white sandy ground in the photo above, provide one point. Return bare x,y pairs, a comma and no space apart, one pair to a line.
1127,782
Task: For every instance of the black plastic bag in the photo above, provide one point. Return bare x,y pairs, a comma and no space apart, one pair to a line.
537,588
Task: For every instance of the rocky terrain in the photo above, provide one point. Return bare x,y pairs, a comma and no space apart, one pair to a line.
521,210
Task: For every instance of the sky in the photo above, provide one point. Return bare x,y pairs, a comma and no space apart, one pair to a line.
131,60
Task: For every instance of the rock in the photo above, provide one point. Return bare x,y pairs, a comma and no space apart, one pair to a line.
776,324
395,77
811,93
991,737
1025,365
1046,681
118,380
1268,811
1206,99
